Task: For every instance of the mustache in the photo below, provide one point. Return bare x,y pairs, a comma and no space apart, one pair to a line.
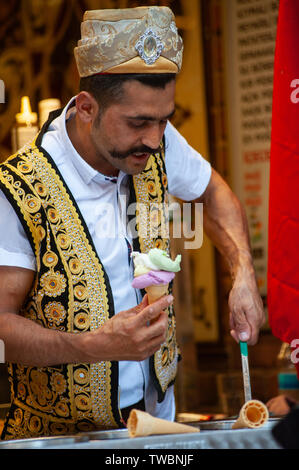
143,149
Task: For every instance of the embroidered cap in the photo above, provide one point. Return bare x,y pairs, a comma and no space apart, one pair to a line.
130,40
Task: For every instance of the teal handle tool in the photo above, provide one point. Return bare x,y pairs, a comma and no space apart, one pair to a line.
245,370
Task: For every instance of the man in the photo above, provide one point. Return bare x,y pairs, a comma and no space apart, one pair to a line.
84,347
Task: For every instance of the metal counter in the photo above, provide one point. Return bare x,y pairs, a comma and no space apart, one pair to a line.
212,435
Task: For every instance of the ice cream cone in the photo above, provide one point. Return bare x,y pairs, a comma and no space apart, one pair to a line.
253,414
143,424
156,292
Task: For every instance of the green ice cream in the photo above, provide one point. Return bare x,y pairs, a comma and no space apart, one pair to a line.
162,261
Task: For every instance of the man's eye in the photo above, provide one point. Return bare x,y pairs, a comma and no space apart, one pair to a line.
137,124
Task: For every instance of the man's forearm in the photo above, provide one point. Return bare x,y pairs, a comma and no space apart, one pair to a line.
28,343
226,225
126,336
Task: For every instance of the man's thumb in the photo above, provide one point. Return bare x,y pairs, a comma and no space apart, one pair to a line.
242,327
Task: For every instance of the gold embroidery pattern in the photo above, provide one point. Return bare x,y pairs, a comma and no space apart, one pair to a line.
69,398
55,313
68,266
88,313
151,192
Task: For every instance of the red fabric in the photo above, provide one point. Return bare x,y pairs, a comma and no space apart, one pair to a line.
283,264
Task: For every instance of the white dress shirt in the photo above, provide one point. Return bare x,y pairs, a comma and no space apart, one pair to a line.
96,194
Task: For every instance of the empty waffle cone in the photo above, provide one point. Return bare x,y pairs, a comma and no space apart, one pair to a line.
156,292
141,423
253,414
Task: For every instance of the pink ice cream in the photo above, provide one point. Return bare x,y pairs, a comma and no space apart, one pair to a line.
154,268
152,278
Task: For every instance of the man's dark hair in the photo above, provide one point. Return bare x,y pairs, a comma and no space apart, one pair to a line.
108,89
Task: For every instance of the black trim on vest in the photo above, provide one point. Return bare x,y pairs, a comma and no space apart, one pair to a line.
114,364
52,115
136,247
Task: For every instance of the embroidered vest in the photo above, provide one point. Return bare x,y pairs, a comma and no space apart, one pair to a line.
72,293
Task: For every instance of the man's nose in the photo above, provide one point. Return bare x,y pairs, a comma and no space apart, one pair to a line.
153,136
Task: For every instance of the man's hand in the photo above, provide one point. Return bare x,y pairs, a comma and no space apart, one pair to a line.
134,334
246,307
281,405
131,335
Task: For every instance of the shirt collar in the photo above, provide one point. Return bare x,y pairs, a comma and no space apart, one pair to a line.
86,171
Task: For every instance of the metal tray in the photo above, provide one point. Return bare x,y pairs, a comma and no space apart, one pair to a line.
104,435
41,442
121,437
226,424
62,441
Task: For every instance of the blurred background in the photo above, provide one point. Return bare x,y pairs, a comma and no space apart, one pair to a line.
224,97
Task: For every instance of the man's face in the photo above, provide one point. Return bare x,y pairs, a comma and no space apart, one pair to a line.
129,131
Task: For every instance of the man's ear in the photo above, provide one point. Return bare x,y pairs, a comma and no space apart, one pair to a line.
87,107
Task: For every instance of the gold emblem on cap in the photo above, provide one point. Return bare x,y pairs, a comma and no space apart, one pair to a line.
149,47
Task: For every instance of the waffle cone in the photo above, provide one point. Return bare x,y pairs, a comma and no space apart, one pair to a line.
253,414
141,423
156,292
